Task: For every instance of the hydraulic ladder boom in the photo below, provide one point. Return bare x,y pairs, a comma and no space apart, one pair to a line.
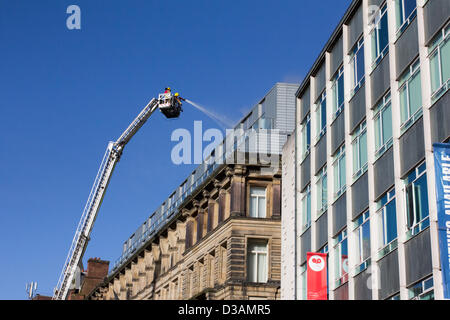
83,231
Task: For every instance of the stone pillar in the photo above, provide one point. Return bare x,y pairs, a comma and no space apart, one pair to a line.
276,198
237,191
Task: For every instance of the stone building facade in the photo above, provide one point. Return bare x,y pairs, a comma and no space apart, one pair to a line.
224,243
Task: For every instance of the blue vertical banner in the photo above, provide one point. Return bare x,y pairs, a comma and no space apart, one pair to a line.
442,168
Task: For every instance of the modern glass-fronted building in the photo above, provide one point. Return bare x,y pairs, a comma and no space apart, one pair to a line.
358,173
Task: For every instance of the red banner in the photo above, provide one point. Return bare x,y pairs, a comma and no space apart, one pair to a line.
316,276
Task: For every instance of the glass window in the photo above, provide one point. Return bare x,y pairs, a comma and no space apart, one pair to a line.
383,126
362,236
410,96
338,92
380,36
387,215
440,64
306,208
303,280
325,250
394,297
322,197
321,116
405,11
423,290
359,149
339,172
306,136
357,66
341,258
416,194
257,202
257,261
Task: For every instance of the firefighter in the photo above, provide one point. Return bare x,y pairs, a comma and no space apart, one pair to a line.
167,94
177,101
178,98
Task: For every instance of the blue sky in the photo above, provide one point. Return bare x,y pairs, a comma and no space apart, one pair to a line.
66,93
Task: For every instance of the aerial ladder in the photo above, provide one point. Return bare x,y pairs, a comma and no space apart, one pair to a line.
170,106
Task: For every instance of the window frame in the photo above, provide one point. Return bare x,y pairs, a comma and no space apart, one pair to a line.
356,139
406,20
337,158
257,196
340,276
375,23
337,109
358,225
386,247
426,289
306,126
424,223
360,45
305,195
320,103
303,282
257,253
383,105
323,174
412,71
435,48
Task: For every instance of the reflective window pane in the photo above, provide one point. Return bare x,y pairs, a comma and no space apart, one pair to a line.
360,64
391,222
366,240
387,124
262,268
415,93
363,149
261,207
421,197
404,111
383,31
445,57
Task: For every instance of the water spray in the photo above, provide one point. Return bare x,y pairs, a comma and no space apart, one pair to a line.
220,119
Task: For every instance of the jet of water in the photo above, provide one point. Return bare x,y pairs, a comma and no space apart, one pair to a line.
220,119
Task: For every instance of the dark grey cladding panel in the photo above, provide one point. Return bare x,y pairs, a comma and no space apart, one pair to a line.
305,103
380,80
337,132
321,153
389,275
440,119
436,14
341,293
362,291
355,28
418,257
412,147
384,173
322,230
360,195
358,108
305,245
305,168
336,56
375,2
339,214
407,48
319,81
